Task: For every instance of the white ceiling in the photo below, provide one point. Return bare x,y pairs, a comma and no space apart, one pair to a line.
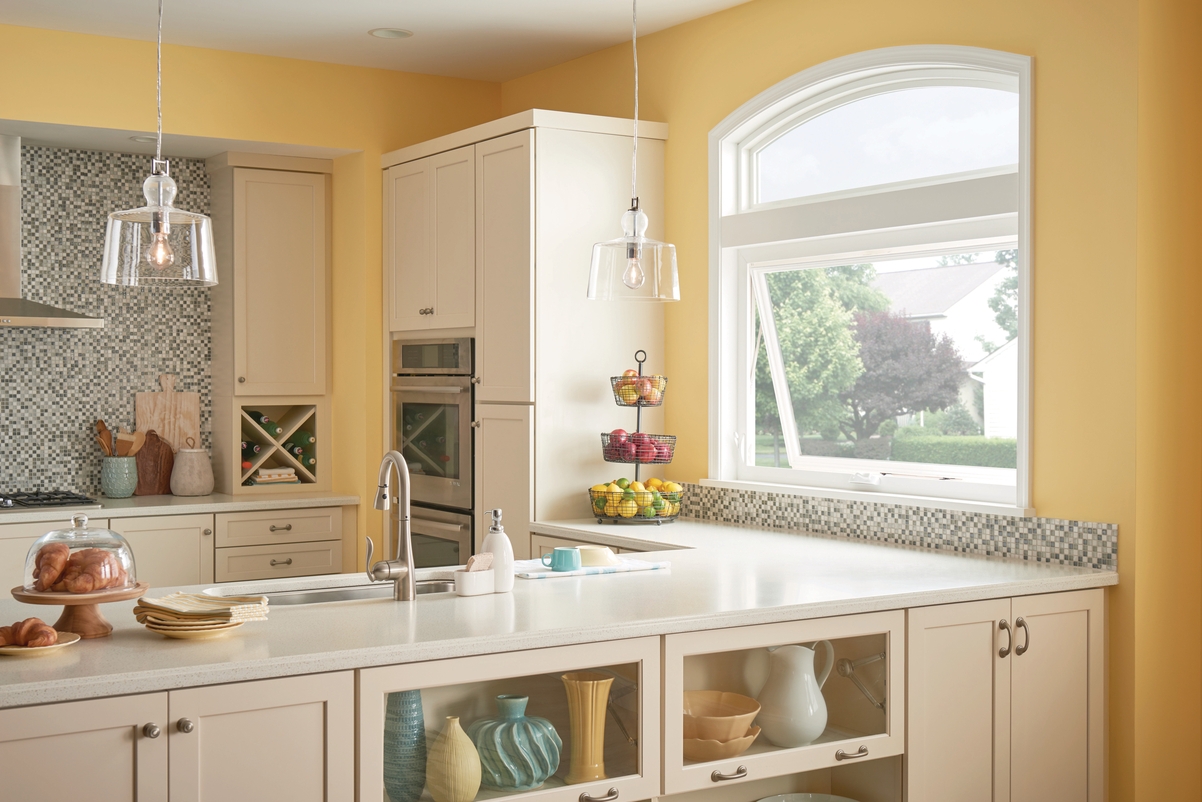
492,40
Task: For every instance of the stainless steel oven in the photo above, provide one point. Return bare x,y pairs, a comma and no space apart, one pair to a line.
431,419
440,537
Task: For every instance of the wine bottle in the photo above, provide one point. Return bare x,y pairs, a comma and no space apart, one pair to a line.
250,448
305,439
269,426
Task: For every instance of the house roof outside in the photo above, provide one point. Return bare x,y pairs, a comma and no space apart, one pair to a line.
932,291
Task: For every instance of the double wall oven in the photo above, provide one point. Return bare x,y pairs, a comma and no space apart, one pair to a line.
431,425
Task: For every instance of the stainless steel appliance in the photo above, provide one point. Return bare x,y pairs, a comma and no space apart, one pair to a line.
431,425
45,498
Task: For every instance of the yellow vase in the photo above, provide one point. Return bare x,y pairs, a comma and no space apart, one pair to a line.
453,765
588,694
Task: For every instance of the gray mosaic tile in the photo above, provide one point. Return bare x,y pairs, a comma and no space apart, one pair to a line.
55,383
1046,540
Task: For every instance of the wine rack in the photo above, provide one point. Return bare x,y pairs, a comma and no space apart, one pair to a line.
274,431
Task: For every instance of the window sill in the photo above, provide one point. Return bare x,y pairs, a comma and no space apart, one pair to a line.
873,496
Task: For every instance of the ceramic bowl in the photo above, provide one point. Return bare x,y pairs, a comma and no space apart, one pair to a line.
718,715
703,751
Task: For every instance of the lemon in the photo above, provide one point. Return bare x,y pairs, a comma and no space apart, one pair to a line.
637,486
598,488
629,395
672,487
613,488
643,498
653,483
611,509
627,508
665,510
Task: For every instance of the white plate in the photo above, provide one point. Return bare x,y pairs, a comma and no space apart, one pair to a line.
64,639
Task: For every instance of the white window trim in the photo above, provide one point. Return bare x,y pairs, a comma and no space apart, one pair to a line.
761,117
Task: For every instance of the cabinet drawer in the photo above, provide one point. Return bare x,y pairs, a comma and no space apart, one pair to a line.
268,562
273,528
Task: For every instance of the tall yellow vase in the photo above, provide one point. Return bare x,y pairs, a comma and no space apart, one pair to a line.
453,766
588,693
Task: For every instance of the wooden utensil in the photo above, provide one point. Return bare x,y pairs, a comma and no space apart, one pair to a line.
104,446
123,447
174,416
139,441
155,461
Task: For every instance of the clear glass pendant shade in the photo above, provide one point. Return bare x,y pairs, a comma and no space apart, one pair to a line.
633,267
157,243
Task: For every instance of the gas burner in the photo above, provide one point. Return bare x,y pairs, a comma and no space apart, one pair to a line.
45,498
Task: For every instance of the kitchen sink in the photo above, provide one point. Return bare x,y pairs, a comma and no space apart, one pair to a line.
382,590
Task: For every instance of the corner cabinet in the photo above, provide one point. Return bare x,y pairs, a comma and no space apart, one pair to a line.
610,748
429,241
1006,700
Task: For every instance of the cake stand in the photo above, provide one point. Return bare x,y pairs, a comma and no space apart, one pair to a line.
81,611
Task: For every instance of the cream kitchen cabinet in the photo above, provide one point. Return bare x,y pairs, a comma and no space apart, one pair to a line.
429,242
1006,700
629,726
545,544
504,470
291,738
102,750
170,550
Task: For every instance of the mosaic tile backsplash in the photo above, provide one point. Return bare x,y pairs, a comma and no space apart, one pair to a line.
1046,540
57,382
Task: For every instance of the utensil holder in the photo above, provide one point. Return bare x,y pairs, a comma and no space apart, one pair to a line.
118,476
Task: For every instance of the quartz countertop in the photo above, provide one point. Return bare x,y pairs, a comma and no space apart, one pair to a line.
720,576
138,506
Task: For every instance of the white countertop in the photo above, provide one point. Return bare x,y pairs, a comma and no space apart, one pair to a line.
733,577
137,506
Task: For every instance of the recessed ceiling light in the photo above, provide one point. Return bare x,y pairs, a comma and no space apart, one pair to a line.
144,138
390,33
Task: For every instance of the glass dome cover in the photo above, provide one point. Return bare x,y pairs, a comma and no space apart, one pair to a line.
80,560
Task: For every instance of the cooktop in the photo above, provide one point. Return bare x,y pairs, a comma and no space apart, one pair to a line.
44,498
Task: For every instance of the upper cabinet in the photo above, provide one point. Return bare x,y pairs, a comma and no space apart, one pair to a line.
430,241
270,311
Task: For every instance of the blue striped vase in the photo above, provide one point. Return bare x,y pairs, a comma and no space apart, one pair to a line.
404,747
517,752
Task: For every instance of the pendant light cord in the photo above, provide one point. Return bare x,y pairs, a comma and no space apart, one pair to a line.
634,159
158,88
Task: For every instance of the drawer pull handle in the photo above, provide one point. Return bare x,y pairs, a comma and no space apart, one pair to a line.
861,752
1004,625
739,774
610,796
185,725
282,562
151,730
1019,651
285,528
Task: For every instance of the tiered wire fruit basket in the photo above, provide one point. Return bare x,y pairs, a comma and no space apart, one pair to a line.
637,502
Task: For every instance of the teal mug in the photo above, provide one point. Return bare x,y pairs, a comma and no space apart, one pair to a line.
564,558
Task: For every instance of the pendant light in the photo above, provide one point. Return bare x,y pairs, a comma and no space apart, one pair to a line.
633,267
157,243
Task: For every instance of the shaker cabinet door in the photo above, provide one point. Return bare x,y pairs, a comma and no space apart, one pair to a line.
407,246
170,550
505,471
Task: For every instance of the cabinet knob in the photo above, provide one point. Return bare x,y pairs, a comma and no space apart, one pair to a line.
737,774
151,730
475,424
610,796
241,380
477,379
282,562
208,531
185,725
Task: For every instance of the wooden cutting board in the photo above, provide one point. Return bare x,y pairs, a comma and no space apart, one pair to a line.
175,416
154,461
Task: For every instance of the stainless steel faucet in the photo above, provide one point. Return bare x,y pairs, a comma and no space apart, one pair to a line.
398,570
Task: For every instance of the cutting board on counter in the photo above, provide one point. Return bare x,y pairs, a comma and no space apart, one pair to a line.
154,461
175,416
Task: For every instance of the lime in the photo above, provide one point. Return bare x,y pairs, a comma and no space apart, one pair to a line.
623,483
648,512
628,495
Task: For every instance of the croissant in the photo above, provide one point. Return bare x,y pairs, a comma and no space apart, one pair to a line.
49,564
89,570
30,632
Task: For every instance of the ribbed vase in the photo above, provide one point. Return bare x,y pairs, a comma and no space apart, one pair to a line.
453,767
404,746
588,694
517,752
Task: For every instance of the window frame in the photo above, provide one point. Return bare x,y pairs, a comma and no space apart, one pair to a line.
746,236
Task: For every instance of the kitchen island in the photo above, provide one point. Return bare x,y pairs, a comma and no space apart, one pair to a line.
729,590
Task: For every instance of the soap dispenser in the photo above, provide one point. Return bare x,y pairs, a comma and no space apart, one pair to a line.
497,543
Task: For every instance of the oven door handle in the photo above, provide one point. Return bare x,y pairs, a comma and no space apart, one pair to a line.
437,525
443,389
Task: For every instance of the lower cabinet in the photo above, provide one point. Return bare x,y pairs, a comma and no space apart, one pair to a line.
290,738
170,550
1006,700
602,700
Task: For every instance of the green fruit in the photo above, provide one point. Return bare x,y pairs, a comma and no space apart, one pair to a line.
648,512
655,496
599,502
628,495
623,483
658,504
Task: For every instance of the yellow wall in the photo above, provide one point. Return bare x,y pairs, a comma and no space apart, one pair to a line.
101,82
1086,54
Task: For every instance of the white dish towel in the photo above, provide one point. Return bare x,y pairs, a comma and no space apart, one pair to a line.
534,569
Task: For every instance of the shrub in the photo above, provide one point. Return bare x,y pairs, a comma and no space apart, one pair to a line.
873,448
988,452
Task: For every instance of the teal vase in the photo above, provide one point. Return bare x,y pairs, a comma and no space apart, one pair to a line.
517,752
404,747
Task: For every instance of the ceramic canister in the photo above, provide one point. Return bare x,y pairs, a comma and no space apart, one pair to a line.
118,476
193,472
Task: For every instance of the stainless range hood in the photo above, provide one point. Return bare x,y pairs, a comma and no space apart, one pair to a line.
14,311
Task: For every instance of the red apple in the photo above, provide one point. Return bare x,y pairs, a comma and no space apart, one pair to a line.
646,452
664,451
630,372
638,438
629,450
618,436
644,387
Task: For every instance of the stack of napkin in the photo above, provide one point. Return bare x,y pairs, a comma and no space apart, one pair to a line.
196,615
275,476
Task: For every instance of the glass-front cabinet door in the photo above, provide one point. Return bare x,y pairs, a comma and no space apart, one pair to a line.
565,724
778,699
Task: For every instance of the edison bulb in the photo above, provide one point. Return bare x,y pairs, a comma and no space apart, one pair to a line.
634,275
158,253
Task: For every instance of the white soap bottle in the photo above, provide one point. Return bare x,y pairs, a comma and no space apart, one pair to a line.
497,542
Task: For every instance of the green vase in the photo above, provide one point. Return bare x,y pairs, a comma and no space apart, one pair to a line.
517,752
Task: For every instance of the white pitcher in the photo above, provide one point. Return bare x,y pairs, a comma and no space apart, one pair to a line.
792,708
